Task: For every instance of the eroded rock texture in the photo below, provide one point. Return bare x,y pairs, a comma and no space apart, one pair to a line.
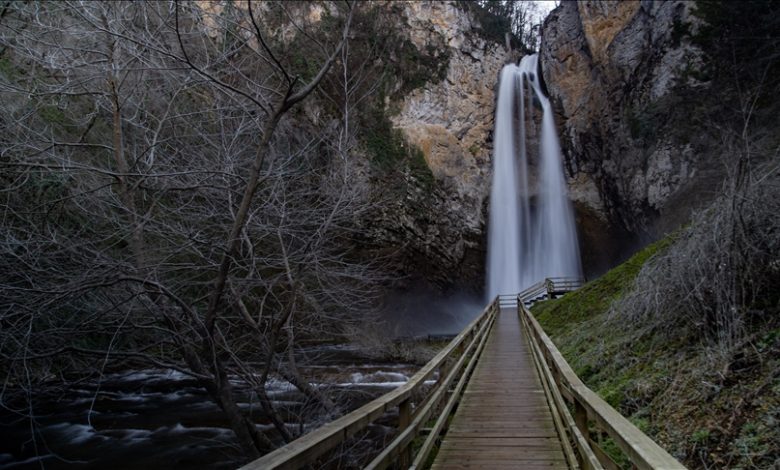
613,70
441,228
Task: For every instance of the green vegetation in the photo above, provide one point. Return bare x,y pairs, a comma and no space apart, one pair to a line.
389,150
573,322
7,68
701,436
493,27
415,68
671,384
495,20
302,60
396,63
594,298
53,115
388,66
610,448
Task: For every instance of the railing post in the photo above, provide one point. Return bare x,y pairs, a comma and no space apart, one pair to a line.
581,418
404,419
446,366
556,375
581,421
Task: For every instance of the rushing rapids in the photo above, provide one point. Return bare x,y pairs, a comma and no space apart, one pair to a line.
531,230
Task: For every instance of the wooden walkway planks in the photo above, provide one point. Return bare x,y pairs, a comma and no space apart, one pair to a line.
503,419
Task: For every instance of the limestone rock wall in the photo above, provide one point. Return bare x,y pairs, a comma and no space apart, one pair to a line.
442,231
452,120
611,69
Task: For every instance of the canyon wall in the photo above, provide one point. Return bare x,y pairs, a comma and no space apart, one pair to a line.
617,74
438,229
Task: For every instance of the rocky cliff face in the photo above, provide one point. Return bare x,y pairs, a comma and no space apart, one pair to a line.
440,228
423,77
612,70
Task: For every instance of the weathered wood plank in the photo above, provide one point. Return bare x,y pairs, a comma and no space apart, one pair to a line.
482,465
467,443
503,420
507,455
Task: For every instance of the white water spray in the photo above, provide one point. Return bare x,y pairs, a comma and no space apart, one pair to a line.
531,236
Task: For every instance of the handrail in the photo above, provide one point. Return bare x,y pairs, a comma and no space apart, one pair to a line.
564,423
563,284
642,451
549,288
507,300
404,438
308,448
532,292
455,364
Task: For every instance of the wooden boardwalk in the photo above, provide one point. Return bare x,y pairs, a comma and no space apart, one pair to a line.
505,416
503,420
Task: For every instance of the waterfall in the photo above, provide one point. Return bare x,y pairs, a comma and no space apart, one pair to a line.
531,234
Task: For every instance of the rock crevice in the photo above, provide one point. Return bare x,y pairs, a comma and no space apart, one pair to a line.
442,231
613,70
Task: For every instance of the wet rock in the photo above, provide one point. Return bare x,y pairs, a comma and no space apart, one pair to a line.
442,228
612,69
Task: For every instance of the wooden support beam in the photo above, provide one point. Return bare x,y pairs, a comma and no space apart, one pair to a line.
404,418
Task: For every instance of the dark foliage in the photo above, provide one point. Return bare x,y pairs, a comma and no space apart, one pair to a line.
741,41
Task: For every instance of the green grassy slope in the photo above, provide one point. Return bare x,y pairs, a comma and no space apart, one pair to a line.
707,414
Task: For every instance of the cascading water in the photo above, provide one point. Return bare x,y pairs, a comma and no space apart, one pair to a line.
531,236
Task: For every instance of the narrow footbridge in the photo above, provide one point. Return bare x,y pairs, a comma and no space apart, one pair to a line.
498,396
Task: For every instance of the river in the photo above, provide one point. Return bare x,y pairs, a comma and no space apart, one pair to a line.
155,419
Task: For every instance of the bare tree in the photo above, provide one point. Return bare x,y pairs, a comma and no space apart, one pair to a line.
524,18
147,221
716,280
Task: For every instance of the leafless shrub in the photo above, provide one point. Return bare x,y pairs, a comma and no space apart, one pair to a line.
160,204
722,270
378,342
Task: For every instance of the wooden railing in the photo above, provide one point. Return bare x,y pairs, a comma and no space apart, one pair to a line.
592,415
549,288
578,413
536,291
507,301
546,289
454,364
561,285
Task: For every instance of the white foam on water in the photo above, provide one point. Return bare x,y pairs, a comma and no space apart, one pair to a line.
369,384
378,377
130,435
179,428
76,433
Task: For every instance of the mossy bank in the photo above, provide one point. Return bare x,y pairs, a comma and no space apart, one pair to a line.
707,411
